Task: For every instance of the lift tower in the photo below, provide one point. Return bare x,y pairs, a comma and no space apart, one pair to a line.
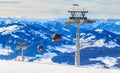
79,18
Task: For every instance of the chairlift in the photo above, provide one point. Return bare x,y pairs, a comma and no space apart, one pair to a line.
40,48
56,37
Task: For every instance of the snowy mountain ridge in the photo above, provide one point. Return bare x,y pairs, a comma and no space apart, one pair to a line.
98,41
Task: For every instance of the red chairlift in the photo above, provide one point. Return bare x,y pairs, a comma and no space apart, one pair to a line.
40,48
56,37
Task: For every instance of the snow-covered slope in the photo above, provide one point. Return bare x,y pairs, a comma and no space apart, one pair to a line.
99,44
25,67
112,25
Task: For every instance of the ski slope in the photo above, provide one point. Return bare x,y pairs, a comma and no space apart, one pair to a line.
30,67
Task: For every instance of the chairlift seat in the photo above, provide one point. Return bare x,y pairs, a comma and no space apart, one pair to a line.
40,48
56,37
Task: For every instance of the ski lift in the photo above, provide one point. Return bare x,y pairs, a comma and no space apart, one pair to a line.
40,48
56,37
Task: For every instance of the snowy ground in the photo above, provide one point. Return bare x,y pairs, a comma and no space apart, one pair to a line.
30,67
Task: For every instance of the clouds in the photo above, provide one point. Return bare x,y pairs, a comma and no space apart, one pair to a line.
2,2
9,2
103,9
57,8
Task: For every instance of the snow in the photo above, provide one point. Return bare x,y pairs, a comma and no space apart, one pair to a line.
90,38
66,29
109,61
117,23
99,43
99,30
8,21
5,51
82,34
15,36
28,67
35,32
66,38
116,32
111,44
66,48
43,36
89,34
45,58
97,65
48,55
89,43
118,57
9,29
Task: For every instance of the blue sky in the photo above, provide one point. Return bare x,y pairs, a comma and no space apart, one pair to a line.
58,8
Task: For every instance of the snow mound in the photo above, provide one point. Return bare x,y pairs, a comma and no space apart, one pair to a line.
27,67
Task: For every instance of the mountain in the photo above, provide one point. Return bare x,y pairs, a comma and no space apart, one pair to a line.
112,25
99,41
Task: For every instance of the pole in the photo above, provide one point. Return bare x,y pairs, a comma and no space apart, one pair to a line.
8,51
23,46
8,46
22,54
79,20
77,50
